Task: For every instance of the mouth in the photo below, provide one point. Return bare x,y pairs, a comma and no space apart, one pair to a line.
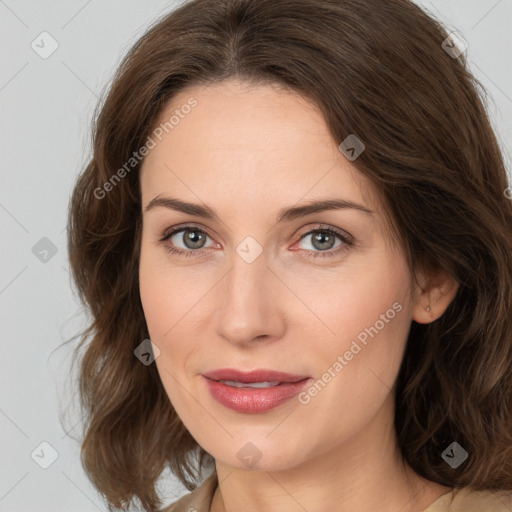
254,392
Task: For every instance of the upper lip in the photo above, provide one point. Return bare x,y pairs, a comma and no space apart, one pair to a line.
259,375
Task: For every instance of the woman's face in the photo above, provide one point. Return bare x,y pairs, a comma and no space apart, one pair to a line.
252,288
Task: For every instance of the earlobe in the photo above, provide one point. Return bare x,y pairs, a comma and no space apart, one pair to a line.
426,316
434,297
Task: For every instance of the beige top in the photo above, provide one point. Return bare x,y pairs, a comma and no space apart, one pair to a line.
458,500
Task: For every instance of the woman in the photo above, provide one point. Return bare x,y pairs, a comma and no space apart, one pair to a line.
294,241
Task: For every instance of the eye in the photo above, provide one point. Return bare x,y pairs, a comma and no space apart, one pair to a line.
193,241
192,238
323,241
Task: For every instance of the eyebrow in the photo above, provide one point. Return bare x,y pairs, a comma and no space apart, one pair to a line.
285,214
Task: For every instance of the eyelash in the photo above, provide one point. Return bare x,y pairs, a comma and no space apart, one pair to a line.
313,254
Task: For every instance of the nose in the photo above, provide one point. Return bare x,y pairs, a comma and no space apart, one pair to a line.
251,298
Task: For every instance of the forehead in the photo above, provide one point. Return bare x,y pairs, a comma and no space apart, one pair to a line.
254,142
234,116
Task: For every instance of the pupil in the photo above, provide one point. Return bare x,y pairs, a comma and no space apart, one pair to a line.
194,237
320,238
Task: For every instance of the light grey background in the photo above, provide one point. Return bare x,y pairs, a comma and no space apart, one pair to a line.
46,108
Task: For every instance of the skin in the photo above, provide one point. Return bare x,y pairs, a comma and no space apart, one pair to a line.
247,151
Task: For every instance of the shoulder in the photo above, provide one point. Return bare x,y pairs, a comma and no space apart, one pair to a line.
199,500
468,500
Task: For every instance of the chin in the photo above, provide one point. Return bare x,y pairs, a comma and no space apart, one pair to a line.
251,455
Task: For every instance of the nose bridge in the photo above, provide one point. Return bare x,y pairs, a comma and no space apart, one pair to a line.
249,307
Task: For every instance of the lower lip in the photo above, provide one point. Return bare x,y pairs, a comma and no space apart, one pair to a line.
254,400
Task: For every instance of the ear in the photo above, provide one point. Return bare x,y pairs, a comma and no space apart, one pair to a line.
436,288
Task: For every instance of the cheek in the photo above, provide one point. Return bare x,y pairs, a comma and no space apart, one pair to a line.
371,293
170,301
369,314
160,304
162,291
155,299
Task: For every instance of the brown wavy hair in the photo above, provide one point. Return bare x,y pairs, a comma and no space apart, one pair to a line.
376,69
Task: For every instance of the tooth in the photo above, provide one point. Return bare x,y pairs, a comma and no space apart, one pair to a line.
265,384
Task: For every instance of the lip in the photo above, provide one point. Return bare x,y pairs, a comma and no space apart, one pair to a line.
259,375
254,400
